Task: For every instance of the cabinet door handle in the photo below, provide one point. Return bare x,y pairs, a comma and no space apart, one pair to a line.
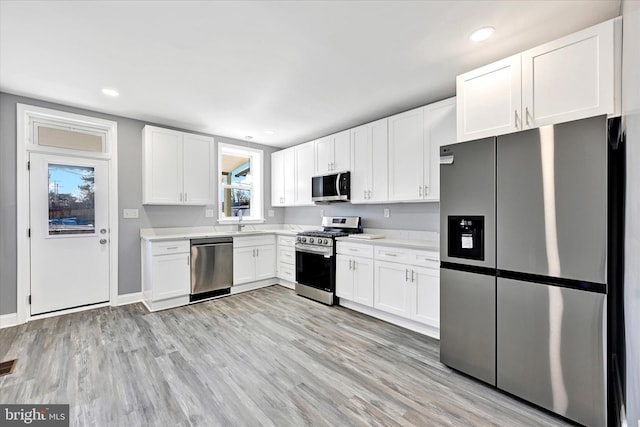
188,260
350,264
526,115
515,112
185,196
412,276
369,194
172,247
426,188
419,190
253,252
354,265
365,194
180,196
406,274
257,252
390,254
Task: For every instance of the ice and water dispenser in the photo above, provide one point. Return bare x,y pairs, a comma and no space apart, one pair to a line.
466,237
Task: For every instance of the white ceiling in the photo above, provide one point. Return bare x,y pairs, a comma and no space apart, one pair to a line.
235,68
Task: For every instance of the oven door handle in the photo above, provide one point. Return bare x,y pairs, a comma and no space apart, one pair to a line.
308,251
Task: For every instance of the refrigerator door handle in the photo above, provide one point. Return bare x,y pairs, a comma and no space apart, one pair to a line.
446,160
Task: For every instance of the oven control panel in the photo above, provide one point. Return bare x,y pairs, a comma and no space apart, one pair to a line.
318,241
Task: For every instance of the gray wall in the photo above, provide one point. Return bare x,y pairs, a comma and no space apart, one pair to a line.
129,196
407,216
631,114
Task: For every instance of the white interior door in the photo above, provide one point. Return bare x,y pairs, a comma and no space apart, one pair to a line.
69,244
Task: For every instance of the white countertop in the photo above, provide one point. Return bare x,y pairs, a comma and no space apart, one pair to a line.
178,233
426,245
421,240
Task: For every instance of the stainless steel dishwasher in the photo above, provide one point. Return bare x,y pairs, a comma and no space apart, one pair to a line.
211,267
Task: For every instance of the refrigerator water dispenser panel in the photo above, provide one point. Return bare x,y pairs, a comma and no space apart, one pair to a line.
466,237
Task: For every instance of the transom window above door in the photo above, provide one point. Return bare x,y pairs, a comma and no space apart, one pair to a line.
240,183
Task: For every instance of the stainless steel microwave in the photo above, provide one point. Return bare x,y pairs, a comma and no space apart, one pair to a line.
331,188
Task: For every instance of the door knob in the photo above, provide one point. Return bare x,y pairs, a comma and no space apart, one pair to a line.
103,241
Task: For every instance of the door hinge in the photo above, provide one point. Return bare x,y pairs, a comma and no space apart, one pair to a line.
29,299
29,165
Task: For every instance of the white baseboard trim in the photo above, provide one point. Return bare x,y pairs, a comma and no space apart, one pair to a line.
131,298
287,284
8,320
392,318
236,289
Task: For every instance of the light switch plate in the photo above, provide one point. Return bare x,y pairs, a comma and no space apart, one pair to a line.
130,213
386,212
208,213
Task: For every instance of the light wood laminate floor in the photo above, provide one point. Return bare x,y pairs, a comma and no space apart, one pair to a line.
262,358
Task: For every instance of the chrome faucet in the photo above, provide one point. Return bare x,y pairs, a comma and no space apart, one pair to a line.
240,226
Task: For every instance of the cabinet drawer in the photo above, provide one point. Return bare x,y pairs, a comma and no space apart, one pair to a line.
287,272
286,255
354,249
243,242
287,241
171,247
391,254
425,259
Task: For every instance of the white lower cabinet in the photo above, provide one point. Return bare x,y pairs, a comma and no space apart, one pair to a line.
392,288
354,272
254,258
425,308
354,279
396,280
286,260
166,274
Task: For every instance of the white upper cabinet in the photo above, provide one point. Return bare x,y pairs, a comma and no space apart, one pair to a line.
283,174
177,168
277,178
332,153
567,79
439,130
369,162
489,100
304,166
198,175
406,136
570,78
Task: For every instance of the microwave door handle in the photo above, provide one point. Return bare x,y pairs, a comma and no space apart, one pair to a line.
338,185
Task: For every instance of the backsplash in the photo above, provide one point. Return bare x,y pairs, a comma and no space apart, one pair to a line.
405,216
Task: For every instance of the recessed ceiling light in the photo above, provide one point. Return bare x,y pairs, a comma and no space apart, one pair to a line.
482,34
270,131
110,92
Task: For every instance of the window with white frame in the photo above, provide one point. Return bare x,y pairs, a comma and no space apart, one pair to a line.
240,183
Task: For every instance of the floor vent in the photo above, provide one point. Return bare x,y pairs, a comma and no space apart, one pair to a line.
7,367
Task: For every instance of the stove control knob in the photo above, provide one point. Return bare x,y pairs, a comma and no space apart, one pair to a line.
304,239
311,240
297,239
325,241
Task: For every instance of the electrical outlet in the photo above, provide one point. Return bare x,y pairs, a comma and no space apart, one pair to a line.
271,213
386,212
130,213
208,213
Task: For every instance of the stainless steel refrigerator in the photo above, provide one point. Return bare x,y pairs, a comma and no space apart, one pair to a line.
525,251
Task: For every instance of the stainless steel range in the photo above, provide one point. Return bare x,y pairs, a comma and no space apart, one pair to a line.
315,257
